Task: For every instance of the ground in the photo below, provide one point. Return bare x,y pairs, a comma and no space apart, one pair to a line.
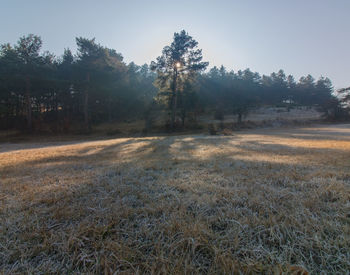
259,201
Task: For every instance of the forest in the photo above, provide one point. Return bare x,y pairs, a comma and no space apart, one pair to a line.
95,85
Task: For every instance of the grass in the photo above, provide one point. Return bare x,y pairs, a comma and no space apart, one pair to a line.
262,201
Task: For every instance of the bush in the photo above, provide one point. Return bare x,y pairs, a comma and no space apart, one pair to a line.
227,132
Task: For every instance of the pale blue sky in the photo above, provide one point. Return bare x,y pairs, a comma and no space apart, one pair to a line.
299,36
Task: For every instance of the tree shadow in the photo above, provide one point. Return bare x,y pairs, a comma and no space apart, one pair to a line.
113,192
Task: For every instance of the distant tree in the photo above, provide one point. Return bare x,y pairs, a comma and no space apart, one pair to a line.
343,96
323,90
245,94
305,90
324,98
291,84
279,83
180,61
214,73
241,107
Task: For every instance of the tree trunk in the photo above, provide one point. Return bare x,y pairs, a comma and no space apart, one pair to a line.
56,104
239,117
109,109
174,101
17,109
8,114
86,103
28,104
183,118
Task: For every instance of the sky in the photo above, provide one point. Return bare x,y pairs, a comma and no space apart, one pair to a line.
299,36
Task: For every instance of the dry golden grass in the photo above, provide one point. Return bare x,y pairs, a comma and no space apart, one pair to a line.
265,201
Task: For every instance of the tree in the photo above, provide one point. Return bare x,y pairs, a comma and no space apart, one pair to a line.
324,98
111,82
305,90
98,69
89,52
9,84
28,51
187,100
179,62
345,96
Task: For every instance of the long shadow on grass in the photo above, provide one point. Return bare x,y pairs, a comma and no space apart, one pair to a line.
166,150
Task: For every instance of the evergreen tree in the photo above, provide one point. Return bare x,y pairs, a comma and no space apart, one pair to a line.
179,62
28,52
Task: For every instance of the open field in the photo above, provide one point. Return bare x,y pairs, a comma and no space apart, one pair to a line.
301,114
262,201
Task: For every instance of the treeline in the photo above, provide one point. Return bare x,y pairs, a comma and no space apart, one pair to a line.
91,86
94,85
239,92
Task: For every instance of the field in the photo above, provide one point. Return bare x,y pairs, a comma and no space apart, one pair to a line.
299,114
259,201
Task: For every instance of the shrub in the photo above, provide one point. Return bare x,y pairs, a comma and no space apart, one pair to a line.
227,132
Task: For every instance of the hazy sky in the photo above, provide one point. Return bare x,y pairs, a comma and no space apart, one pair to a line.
299,36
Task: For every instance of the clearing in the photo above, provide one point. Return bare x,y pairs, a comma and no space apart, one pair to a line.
260,201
